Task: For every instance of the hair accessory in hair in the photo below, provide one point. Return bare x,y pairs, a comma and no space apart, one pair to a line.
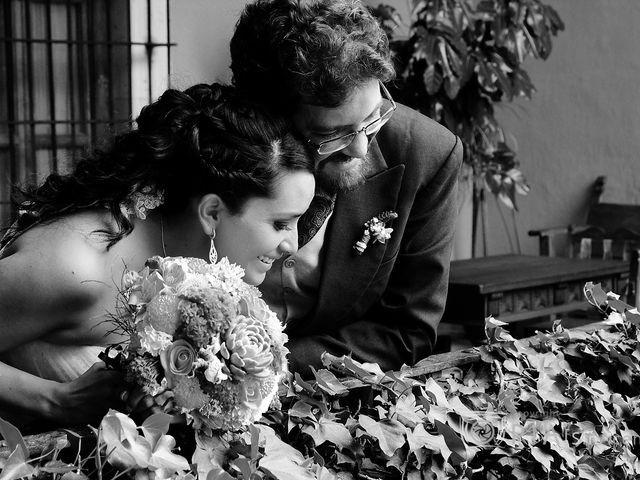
376,228
142,201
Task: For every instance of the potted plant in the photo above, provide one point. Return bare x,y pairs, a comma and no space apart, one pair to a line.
460,59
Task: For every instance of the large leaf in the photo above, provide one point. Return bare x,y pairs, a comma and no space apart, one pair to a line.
328,382
551,390
162,456
13,437
420,438
155,426
389,433
329,431
281,460
16,466
454,443
542,457
432,79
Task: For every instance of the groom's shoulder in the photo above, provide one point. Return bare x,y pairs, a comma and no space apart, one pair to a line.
413,138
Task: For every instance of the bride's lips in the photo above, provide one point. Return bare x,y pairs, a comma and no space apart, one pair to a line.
266,261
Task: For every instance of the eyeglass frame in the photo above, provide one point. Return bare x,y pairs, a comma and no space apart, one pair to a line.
354,134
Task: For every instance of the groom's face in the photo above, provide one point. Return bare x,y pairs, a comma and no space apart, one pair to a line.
345,168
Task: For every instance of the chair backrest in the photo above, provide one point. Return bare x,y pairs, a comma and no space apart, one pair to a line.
613,217
612,228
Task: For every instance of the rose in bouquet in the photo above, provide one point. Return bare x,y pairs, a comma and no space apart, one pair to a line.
203,338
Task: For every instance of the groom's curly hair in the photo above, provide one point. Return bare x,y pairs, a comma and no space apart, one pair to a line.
206,139
287,52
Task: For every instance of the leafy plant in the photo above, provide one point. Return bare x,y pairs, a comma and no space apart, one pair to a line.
564,405
461,58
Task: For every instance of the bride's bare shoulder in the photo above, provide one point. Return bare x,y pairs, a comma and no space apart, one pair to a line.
58,263
72,239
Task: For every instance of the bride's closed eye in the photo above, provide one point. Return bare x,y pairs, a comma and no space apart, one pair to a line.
283,226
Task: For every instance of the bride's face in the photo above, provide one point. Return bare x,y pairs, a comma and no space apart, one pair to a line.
266,228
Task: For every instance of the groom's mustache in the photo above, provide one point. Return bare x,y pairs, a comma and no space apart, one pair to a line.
337,157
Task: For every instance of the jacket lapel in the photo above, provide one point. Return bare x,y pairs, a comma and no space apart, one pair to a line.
345,274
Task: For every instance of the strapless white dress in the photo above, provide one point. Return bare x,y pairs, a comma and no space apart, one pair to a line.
51,361
60,363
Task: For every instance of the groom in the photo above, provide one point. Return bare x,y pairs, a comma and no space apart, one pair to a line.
370,292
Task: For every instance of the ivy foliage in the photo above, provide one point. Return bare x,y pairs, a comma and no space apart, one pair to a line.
563,405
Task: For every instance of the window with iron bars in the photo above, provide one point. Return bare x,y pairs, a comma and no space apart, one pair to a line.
73,72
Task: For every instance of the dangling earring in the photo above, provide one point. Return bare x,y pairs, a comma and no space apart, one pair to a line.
213,253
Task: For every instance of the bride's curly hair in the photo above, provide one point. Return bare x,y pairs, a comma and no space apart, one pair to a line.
206,139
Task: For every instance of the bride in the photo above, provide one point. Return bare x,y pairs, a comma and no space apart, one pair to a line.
205,174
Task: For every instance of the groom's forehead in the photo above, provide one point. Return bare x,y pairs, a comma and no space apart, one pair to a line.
360,105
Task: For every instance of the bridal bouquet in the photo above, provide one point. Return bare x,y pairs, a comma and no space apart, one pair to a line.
202,340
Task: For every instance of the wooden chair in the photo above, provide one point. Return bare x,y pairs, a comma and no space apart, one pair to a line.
612,231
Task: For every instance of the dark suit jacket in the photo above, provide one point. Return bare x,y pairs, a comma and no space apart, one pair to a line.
384,306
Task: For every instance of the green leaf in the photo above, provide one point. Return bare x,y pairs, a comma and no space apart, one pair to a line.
595,295
551,390
329,431
494,331
409,414
328,382
389,433
74,476
281,460
436,393
561,447
302,409
13,437
365,371
432,79
542,457
58,466
454,443
16,465
420,438
155,426
451,86
306,386
592,472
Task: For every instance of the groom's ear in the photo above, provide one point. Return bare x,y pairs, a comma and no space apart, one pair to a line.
210,207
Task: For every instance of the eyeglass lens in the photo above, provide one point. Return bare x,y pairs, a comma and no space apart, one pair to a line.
336,144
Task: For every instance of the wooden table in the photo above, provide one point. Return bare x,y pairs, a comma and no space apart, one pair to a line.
514,288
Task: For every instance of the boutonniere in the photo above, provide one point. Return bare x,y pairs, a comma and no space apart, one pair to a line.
375,229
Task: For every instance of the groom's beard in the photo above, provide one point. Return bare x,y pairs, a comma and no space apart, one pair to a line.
339,172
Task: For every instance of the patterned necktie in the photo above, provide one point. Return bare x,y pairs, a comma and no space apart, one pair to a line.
310,222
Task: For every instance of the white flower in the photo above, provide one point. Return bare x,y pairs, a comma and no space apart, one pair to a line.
214,373
382,234
211,363
376,228
153,341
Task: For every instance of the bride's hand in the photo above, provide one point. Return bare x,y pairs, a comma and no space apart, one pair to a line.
139,405
87,398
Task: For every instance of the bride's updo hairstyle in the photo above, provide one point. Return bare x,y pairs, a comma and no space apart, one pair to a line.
206,139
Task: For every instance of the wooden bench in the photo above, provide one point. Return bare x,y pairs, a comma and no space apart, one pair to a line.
611,231
517,288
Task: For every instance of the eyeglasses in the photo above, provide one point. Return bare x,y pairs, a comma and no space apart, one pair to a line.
334,144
